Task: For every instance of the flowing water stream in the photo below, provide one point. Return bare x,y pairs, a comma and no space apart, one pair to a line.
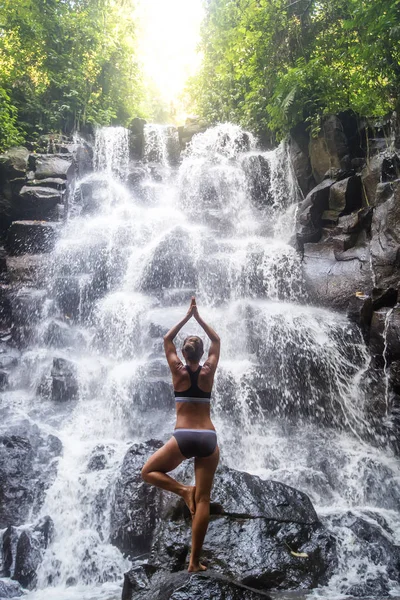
292,386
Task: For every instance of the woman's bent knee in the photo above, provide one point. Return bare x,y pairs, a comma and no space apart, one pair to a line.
144,473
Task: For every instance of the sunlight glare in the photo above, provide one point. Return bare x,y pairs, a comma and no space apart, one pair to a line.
170,31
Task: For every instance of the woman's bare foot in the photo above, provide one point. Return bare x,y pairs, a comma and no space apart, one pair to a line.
188,495
196,567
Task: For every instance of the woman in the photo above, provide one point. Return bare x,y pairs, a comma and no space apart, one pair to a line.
194,434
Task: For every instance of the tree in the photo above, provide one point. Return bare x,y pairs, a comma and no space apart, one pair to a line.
270,64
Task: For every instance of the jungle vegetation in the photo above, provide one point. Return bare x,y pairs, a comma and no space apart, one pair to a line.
271,64
65,64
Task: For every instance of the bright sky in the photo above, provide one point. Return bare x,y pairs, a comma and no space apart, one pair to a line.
170,32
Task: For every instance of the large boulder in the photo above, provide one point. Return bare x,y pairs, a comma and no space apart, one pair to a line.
38,202
193,126
136,506
380,169
344,197
329,149
31,237
28,269
10,589
370,545
265,525
64,380
258,176
186,586
14,163
385,333
27,305
301,164
27,469
333,271
385,242
52,165
136,138
167,268
309,218
29,551
270,528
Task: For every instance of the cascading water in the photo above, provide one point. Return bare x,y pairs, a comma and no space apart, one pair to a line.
290,395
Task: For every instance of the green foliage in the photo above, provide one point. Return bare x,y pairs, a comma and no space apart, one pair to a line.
10,135
67,63
270,64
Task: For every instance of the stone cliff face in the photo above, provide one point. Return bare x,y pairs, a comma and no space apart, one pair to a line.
348,230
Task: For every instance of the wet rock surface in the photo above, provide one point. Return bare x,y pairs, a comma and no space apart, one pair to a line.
27,468
262,524
10,589
183,586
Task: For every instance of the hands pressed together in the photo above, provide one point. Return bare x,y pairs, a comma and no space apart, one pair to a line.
193,311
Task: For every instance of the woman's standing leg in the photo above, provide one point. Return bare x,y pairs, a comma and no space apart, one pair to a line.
204,472
156,468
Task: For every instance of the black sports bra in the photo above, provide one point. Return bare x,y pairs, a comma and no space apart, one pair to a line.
194,393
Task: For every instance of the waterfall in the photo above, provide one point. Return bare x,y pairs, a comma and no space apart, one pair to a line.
290,393
111,152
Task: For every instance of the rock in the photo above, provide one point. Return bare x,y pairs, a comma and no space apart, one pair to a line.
394,376
385,297
27,305
60,335
3,380
51,165
192,127
84,158
309,219
27,469
9,550
331,278
355,222
377,331
10,589
31,544
38,203
65,384
261,528
186,586
385,242
371,176
329,149
390,167
383,192
136,138
301,164
261,523
14,162
28,268
167,268
55,183
258,176
152,393
136,177
360,311
5,305
31,237
8,356
136,506
370,545
344,197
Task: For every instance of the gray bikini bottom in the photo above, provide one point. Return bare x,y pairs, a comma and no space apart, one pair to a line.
197,443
